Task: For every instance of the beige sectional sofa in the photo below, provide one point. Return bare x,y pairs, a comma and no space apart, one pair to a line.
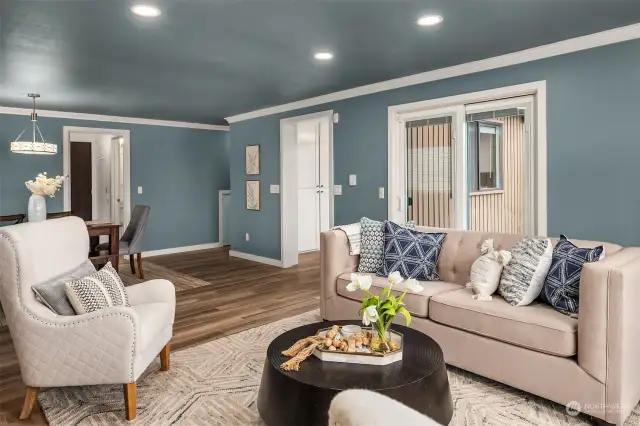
593,360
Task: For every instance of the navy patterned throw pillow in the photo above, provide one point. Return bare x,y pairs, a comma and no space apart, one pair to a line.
412,253
562,285
372,244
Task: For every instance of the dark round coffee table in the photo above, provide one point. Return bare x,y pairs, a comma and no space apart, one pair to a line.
288,398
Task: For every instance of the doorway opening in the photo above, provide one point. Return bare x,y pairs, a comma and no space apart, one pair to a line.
97,163
474,161
306,168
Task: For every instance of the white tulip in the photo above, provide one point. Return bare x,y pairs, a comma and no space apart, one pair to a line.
369,315
362,282
395,278
365,282
413,285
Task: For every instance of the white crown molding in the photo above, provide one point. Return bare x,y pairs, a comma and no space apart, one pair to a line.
254,258
181,249
616,35
112,119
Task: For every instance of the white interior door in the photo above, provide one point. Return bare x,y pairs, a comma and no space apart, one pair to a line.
324,167
224,219
117,197
308,186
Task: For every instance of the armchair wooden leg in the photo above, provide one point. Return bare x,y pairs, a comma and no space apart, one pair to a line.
140,271
165,357
132,263
130,400
29,402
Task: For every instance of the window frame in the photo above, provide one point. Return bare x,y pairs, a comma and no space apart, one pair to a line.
497,156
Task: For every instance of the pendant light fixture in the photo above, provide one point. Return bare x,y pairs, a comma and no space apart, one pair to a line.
32,147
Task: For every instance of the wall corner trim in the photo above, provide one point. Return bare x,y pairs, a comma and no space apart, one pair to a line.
180,249
590,41
255,258
112,119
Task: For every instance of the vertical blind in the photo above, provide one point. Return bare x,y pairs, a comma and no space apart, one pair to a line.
429,172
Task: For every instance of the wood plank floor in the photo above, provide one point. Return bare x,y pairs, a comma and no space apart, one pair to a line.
242,295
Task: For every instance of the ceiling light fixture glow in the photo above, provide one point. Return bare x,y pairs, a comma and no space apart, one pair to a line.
430,20
145,10
323,56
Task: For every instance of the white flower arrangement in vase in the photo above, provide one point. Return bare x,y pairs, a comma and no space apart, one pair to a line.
40,187
379,311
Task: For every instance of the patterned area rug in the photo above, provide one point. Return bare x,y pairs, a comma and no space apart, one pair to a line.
217,383
153,271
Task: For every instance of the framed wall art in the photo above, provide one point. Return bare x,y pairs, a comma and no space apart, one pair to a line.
253,195
252,157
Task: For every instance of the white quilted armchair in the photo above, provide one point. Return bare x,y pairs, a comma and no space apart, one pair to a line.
109,346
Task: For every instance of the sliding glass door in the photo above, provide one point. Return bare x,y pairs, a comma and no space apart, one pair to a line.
466,166
424,167
429,155
499,168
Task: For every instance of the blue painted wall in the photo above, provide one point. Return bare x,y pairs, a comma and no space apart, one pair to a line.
593,148
180,170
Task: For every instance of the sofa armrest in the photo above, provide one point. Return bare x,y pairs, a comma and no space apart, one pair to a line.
353,408
335,260
609,329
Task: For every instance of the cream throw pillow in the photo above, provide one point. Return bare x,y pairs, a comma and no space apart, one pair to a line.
486,270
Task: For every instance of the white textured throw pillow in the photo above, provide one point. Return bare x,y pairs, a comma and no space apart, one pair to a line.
486,270
97,291
523,277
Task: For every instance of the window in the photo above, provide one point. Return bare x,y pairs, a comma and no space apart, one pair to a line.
485,155
489,156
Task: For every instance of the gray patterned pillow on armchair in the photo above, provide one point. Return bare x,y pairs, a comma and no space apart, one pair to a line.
97,291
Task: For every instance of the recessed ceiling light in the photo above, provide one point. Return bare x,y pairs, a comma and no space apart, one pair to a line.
145,10
429,20
323,56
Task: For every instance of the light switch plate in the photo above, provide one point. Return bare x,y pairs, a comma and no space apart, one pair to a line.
337,189
139,190
381,193
352,180
274,189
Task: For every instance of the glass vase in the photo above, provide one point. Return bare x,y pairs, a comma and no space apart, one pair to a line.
380,341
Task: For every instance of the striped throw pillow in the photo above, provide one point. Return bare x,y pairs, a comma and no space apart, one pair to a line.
523,277
100,290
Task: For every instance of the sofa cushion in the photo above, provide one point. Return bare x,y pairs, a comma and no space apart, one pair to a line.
416,303
536,326
562,286
97,291
414,254
462,248
523,277
372,244
53,294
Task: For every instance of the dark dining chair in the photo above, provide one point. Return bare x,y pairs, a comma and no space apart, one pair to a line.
131,241
58,215
15,218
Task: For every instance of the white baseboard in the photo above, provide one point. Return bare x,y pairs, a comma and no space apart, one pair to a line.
180,249
253,257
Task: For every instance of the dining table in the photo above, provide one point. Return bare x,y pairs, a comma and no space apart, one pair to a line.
96,228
